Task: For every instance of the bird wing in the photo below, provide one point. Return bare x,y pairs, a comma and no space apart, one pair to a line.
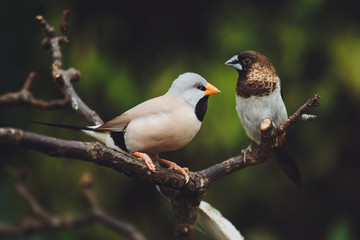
162,104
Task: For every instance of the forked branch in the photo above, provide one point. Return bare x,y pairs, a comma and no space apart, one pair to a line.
44,221
25,96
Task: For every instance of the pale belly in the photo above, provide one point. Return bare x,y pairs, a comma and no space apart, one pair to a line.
160,133
253,110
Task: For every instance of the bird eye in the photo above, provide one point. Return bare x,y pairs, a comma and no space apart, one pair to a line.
200,87
247,61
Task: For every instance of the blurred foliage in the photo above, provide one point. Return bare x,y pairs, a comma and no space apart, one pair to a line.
129,51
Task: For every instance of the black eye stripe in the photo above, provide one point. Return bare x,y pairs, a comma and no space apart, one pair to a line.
201,87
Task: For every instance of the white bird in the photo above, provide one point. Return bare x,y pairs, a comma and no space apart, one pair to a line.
165,123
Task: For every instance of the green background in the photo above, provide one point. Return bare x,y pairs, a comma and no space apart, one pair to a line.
130,51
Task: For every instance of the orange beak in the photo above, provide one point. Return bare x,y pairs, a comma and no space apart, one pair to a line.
211,89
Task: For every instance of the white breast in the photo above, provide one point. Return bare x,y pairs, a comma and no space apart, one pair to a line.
164,131
253,110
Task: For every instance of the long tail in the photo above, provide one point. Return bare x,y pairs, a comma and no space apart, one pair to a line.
72,127
92,131
287,163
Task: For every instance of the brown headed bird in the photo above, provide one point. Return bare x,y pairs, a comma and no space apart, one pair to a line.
258,96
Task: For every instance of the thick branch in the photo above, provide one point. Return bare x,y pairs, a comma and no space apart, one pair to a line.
101,155
131,166
185,206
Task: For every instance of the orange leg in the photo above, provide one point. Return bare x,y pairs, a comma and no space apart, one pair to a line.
149,163
176,167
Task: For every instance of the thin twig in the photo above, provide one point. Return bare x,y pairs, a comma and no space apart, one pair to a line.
19,176
308,117
64,78
46,222
64,26
25,96
312,102
106,219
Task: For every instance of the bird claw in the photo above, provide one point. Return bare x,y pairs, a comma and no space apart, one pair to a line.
175,167
149,163
244,151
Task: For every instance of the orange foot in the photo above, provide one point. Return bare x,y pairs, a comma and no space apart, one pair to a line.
143,156
176,167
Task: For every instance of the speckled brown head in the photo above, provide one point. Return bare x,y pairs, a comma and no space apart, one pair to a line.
257,76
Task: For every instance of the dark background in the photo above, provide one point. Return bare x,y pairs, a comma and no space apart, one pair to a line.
128,52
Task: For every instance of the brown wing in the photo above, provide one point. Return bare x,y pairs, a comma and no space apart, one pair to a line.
116,124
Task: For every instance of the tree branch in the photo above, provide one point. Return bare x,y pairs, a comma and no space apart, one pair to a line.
312,102
64,78
98,154
46,222
109,221
185,206
185,198
19,176
25,96
261,153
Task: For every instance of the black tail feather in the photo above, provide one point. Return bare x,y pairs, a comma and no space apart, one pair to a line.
72,127
288,165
